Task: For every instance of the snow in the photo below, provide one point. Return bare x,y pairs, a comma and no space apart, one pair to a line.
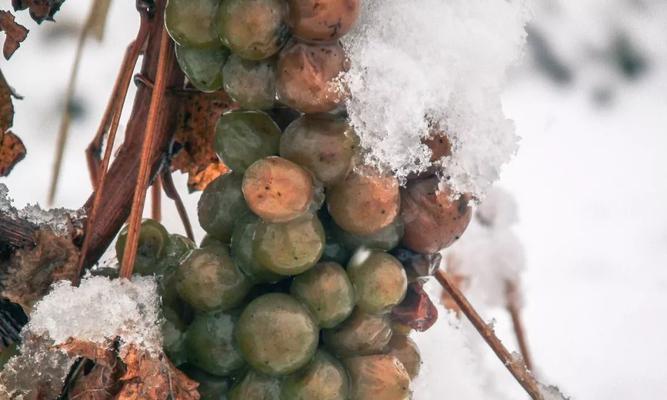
425,63
489,255
99,310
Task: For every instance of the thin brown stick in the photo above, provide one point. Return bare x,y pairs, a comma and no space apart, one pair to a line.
171,192
514,310
516,366
139,198
117,100
61,140
156,200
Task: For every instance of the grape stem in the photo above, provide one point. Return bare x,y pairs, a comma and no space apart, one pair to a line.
514,309
515,365
171,192
166,55
156,200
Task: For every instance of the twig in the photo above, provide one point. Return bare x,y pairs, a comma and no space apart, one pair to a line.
171,192
156,200
166,53
515,313
114,111
514,365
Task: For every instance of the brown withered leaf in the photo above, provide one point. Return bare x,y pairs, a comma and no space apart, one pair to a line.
6,106
28,274
15,33
153,377
417,310
193,151
40,10
12,150
99,381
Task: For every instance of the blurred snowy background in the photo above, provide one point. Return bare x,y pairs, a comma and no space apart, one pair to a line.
589,100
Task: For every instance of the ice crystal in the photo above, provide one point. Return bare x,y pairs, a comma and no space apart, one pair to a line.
430,63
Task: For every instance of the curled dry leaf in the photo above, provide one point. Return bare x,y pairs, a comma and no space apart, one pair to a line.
96,375
192,150
417,310
40,10
15,33
28,274
12,150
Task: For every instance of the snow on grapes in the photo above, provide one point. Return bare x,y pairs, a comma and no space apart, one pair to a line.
425,66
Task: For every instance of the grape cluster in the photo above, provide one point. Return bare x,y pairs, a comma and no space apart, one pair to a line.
290,294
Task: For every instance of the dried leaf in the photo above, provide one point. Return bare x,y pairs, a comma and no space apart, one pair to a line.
12,151
6,106
154,377
417,310
193,141
15,33
40,10
99,382
28,274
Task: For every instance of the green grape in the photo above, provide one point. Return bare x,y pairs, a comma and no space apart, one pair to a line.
152,246
192,22
327,292
379,280
203,67
378,377
211,346
178,247
289,248
243,251
406,351
322,20
364,202
306,76
174,308
210,387
243,137
252,84
220,206
276,334
323,143
173,338
385,239
209,280
277,189
324,378
361,334
253,29
255,386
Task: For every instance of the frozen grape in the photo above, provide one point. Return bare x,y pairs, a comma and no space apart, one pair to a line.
364,202
192,22
211,345
277,190
256,386
378,377
209,280
203,67
152,246
220,206
324,378
210,387
243,137
307,76
276,334
289,248
252,84
253,29
177,247
361,334
243,251
379,280
320,20
385,239
406,351
327,292
323,143
433,219
173,341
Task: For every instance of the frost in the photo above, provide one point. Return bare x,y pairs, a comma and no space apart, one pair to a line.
552,393
58,219
430,63
489,255
99,310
